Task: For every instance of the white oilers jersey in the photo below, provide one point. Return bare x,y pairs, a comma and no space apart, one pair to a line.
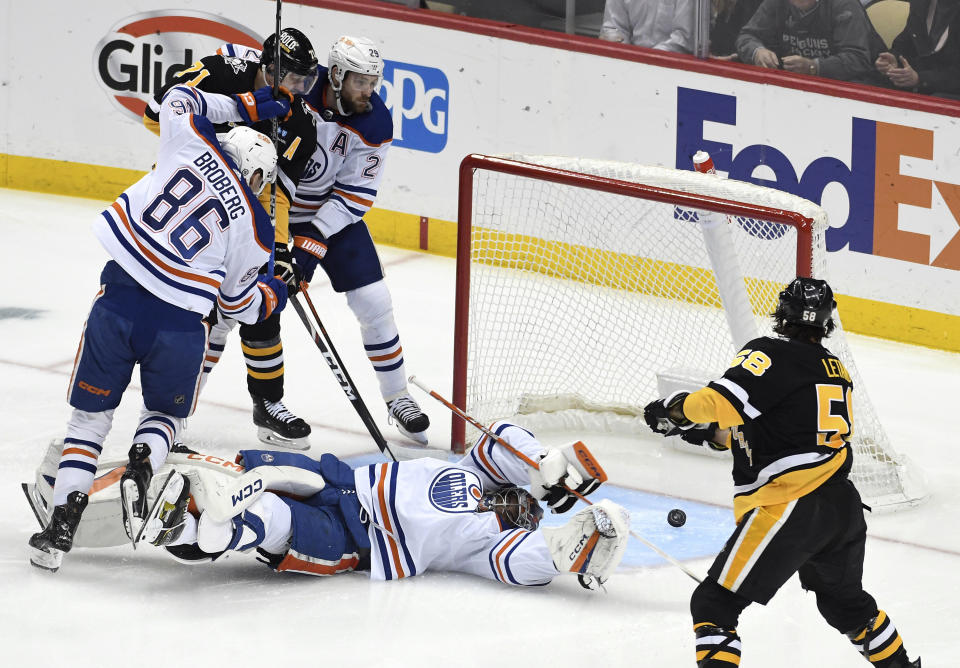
423,515
191,231
340,183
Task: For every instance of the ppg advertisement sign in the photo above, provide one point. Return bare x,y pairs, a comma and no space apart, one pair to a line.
419,99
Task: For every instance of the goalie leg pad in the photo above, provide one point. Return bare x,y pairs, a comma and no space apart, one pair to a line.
266,523
592,543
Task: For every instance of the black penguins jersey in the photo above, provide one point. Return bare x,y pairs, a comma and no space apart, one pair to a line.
794,403
229,75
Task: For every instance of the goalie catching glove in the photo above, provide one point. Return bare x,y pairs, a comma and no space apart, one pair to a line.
561,470
592,543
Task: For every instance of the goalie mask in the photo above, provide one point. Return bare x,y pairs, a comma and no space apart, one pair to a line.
513,506
251,151
352,54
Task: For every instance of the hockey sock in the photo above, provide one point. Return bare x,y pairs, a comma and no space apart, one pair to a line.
82,446
263,353
879,642
373,308
159,431
215,346
716,647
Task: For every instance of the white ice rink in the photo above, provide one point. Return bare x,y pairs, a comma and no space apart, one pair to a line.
114,607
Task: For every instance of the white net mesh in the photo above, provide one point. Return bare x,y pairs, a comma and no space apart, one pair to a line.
581,300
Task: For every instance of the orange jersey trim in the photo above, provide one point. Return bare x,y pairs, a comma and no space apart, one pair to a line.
157,261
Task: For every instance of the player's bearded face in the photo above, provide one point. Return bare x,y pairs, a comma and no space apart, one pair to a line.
357,90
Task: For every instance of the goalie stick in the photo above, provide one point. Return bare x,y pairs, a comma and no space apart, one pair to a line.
464,416
320,337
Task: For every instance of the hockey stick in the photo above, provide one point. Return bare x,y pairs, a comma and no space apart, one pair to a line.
464,416
275,136
320,337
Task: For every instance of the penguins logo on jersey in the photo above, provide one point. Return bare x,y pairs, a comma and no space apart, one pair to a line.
238,64
455,491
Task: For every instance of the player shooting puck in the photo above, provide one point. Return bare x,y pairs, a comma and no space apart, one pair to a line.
676,518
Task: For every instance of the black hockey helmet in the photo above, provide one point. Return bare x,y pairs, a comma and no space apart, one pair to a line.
808,302
296,52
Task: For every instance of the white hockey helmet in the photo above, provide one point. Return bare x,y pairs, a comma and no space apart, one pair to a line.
353,54
251,151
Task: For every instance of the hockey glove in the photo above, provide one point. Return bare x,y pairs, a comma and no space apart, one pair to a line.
309,247
665,416
561,470
285,268
704,434
274,293
259,105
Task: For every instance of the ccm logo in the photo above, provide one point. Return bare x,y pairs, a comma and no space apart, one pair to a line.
216,461
578,547
93,390
249,490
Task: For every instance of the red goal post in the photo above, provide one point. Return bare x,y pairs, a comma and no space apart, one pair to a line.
628,267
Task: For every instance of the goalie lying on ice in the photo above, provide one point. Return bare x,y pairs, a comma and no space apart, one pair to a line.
395,519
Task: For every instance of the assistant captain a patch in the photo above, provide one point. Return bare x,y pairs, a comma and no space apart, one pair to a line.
455,491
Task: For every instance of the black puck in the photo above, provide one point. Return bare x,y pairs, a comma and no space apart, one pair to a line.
676,518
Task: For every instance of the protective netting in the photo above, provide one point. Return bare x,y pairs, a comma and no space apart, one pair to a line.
581,300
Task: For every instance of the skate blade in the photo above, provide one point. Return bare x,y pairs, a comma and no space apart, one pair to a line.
46,560
129,517
34,500
270,437
169,484
418,437
404,452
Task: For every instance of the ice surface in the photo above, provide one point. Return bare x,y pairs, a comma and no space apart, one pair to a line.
114,607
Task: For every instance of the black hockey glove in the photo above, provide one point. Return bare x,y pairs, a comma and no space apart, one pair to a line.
657,415
285,268
560,500
703,435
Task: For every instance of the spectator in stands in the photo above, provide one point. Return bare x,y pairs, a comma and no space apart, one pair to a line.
727,18
925,56
827,38
658,24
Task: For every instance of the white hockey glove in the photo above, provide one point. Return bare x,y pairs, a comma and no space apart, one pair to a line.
562,469
592,543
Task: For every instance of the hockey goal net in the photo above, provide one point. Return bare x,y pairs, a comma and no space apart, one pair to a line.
587,288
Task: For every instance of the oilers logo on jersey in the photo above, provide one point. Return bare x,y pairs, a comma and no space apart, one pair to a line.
455,490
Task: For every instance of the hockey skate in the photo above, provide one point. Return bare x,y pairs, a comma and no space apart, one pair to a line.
165,519
277,426
133,489
49,546
411,421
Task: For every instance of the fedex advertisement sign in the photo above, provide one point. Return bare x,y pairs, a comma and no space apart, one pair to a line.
874,184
